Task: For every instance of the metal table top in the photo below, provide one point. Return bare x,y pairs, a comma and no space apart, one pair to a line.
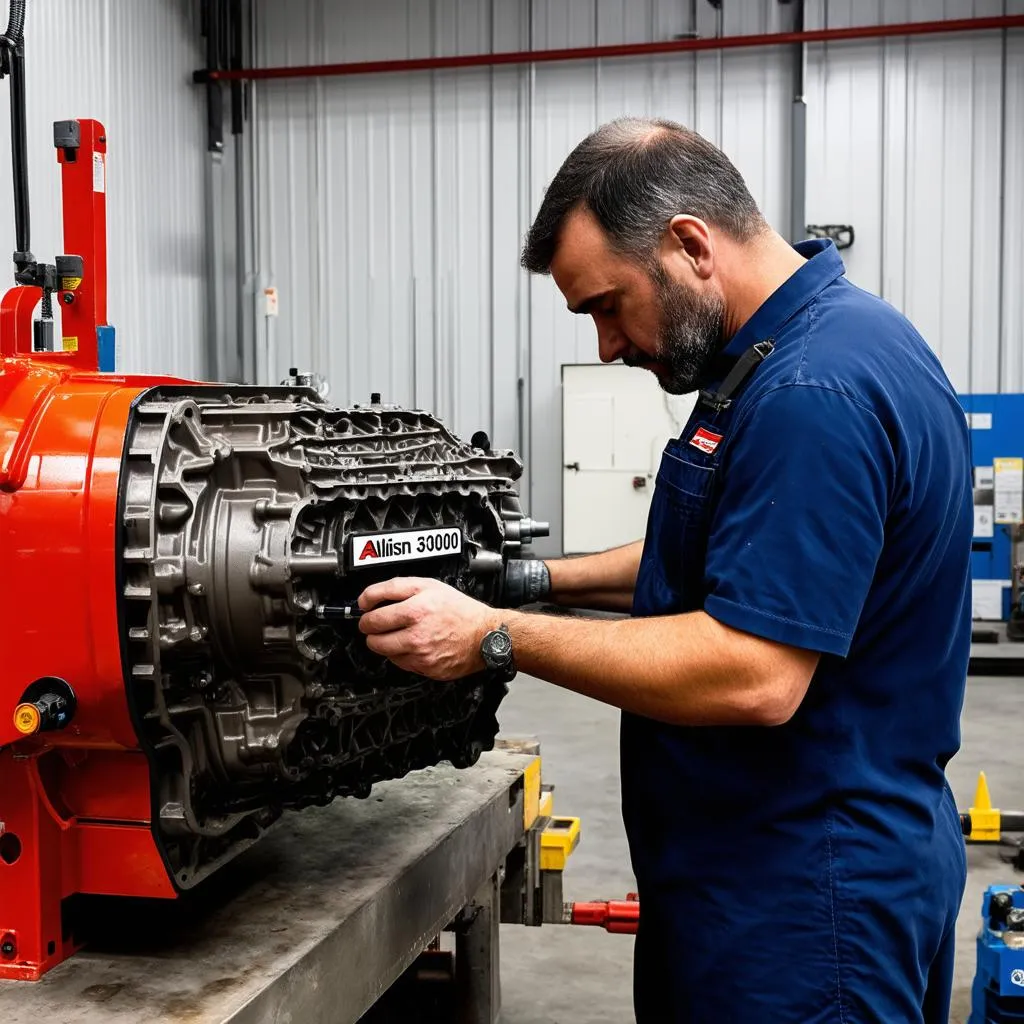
310,925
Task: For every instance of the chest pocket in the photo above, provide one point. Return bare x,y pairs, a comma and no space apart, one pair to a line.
672,570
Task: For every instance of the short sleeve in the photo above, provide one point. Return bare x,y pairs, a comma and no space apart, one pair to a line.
800,521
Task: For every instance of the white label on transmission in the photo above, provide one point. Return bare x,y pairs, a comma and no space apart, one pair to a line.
403,546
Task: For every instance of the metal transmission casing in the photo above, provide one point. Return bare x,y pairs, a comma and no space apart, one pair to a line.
176,671
243,513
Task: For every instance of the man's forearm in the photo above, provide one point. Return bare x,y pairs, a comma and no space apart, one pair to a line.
681,669
685,669
604,581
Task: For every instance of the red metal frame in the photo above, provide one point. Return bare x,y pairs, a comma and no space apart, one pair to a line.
476,60
16,310
85,235
75,804
84,194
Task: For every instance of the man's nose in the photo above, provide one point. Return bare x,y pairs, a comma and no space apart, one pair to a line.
611,345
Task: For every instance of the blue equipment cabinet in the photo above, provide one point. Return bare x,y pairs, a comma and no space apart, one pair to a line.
997,996
997,432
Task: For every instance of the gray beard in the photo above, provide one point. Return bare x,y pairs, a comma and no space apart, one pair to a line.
690,335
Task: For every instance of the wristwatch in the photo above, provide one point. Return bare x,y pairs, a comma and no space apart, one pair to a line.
496,650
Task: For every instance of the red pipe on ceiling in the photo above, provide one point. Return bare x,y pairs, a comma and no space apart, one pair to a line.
477,60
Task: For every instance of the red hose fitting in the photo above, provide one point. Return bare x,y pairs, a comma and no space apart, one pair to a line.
620,917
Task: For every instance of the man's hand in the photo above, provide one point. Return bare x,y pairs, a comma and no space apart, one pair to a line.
431,629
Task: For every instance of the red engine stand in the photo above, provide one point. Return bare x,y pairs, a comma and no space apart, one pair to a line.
75,803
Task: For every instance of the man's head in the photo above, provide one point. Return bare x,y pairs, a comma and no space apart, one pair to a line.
631,228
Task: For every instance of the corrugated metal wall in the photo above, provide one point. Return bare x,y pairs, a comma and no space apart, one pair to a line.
919,142
390,209
127,63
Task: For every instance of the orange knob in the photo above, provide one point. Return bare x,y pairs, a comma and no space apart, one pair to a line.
27,719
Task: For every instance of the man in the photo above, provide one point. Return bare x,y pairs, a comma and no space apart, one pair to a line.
792,674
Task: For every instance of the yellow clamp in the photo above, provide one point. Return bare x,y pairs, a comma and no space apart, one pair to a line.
558,836
985,826
558,840
531,793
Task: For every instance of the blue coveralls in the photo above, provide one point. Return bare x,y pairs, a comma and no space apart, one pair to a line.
812,871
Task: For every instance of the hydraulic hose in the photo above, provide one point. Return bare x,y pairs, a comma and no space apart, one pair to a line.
16,21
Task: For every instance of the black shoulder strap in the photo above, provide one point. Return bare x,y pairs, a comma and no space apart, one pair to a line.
738,375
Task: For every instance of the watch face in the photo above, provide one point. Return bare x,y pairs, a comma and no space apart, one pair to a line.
497,646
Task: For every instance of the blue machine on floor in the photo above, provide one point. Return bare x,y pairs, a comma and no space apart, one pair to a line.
997,432
997,996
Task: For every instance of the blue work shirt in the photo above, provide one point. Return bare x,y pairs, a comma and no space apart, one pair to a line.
811,871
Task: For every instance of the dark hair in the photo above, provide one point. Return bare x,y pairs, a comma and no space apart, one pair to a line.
635,175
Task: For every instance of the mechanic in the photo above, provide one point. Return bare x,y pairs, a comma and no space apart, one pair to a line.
792,674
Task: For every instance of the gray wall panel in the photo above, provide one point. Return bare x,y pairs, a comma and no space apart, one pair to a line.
906,141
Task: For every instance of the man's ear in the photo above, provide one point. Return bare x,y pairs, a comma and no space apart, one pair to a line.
688,242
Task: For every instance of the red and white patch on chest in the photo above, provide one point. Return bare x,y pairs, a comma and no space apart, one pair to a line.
705,440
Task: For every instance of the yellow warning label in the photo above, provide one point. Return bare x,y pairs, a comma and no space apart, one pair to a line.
71,344
69,284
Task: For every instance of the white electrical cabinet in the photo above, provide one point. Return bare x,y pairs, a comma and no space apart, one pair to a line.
615,423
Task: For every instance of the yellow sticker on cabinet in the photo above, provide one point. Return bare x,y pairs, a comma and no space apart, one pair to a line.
71,344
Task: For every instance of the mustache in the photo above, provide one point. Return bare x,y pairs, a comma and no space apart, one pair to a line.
637,359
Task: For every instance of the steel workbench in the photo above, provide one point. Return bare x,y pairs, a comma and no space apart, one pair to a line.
314,922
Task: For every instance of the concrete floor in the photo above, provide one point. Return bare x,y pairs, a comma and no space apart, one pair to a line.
555,975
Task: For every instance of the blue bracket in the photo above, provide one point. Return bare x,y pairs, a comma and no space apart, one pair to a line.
106,348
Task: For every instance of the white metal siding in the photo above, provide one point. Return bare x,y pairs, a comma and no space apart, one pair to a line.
128,64
917,142
391,208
